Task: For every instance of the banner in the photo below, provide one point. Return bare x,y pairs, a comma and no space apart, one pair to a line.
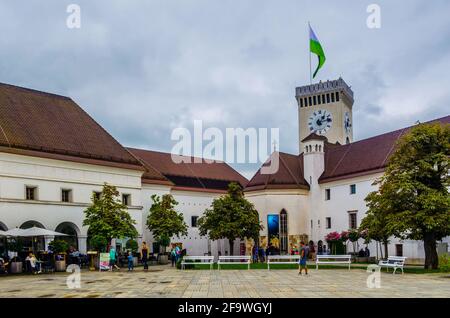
104,261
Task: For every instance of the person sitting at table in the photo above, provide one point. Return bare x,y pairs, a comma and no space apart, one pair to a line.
34,266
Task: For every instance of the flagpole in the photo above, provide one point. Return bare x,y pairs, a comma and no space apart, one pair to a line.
310,71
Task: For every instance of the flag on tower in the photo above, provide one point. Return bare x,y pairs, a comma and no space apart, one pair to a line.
316,48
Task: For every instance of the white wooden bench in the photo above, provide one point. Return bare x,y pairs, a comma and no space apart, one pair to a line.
393,262
333,259
282,259
227,260
189,260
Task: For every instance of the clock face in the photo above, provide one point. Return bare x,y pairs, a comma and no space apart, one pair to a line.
320,122
347,123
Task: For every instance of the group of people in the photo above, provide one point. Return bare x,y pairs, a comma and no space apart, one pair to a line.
144,253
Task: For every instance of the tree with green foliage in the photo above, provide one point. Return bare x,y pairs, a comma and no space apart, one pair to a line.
164,221
413,198
375,222
231,216
108,217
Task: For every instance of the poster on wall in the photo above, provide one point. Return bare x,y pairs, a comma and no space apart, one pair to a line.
273,226
104,261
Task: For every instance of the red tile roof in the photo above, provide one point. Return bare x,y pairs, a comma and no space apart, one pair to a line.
53,126
188,175
288,176
341,162
360,157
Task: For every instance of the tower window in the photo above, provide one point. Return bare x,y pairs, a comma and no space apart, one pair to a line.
328,97
194,220
301,102
323,99
305,102
328,223
314,100
327,194
309,101
332,97
337,96
319,99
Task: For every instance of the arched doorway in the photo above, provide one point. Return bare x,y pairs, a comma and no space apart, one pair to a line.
3,227
283,232
29,242
72,233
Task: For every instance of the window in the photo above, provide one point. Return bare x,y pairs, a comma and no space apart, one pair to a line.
319,100
301,102
352,220
194,220
314,100
328,98
327,194
309,101
328,223
332,97
323,99
283,232
97,195
31,193
66,195
126,199
353,189
337,96
306,102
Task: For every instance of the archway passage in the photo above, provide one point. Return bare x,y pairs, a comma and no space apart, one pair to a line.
72,234
33,243
3,227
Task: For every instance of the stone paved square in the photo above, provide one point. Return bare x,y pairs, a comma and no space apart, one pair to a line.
164,281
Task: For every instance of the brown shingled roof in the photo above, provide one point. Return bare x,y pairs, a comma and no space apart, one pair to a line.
211,176
314,136
364,156
288,176
53,126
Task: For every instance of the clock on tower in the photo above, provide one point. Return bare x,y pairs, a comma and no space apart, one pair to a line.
325,108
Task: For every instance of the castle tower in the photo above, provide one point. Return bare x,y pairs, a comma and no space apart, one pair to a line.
325,108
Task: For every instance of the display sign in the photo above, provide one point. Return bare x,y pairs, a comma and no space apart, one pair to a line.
104,261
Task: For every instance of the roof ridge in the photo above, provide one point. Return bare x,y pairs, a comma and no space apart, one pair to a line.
31,90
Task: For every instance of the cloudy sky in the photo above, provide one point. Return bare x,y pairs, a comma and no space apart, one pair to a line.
143,68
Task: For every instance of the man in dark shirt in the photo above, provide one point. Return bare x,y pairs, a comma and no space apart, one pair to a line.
304,251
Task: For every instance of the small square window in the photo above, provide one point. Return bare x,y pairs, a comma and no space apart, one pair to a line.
353,189
66,195
97,195
327,194
328,222
194,220
126,199
30,193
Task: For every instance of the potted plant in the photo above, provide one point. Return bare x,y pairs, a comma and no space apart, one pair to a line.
59,248
15,245
133,246
163,242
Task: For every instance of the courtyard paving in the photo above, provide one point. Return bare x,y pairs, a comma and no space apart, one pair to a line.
164,281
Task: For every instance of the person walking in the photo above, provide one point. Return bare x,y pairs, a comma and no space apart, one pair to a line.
304,251
113,259
144,255
173,256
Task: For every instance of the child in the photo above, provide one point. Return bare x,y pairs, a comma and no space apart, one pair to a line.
130,262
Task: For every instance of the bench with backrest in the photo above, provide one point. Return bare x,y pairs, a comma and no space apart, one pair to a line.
393,262
282,259
333,259
227,260
192,260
